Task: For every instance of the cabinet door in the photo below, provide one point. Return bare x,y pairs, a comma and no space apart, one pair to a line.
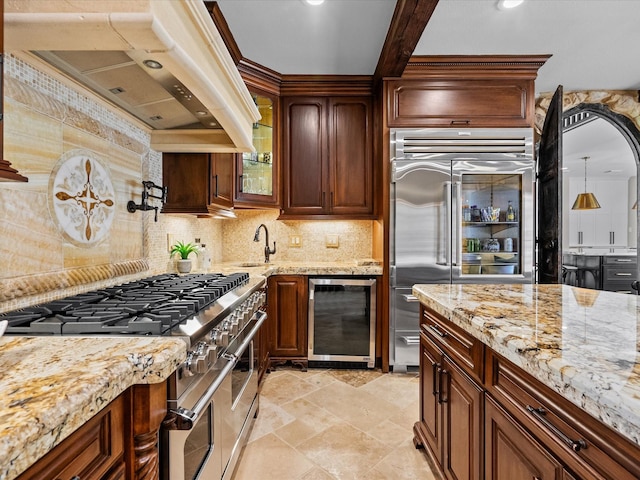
350,156
512,454
287,310
306,173
186,176
257,183
221,180
430,410
463,401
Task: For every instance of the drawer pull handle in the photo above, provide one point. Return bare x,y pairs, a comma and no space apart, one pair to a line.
539,414
438,331
624,260
623,274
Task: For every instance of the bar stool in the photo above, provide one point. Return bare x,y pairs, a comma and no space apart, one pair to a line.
570,275
588,273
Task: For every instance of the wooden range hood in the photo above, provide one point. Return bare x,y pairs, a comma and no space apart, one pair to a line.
196,102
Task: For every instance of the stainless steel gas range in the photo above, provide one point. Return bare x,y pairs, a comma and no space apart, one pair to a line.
213,395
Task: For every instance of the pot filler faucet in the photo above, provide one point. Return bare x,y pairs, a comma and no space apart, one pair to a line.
267,250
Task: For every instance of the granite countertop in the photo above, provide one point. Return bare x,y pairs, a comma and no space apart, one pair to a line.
50,386
355,267
582,343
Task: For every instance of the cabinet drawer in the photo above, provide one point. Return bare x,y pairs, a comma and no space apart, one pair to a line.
94,451
466,350
588,448
620,260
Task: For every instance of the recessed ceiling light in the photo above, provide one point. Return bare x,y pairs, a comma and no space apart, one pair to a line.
153,64
508,4
314,2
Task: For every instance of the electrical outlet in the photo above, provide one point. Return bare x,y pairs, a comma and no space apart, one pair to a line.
332,241
295,241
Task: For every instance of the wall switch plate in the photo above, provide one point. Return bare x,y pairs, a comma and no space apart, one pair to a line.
295,241
171,240
332,240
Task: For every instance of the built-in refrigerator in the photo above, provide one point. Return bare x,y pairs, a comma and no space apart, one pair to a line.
461,211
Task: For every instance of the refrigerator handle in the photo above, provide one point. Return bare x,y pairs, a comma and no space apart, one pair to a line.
456,225
447,223
392,275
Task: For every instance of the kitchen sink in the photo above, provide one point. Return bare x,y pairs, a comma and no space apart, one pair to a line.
251,264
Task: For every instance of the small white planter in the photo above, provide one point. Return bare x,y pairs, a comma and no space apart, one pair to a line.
184,266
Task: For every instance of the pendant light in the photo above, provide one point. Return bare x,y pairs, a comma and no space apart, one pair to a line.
585,201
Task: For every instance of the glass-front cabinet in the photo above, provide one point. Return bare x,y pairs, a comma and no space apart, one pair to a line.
257,171
491,223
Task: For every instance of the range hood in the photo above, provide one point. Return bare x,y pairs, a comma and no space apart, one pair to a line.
162,61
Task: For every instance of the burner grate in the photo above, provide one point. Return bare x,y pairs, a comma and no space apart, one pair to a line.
152,305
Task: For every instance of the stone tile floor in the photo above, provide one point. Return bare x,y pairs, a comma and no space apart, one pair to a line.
335,424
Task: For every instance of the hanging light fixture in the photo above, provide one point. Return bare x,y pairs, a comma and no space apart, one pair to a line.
585,201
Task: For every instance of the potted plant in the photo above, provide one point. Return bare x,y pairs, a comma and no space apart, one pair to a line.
184,249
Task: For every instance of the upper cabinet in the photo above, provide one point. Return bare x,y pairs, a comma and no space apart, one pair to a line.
327,157
198,183
257,172
461,91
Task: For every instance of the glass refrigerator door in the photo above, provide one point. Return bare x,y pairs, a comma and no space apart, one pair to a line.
492,199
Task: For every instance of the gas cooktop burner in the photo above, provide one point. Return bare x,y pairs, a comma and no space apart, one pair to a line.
153,306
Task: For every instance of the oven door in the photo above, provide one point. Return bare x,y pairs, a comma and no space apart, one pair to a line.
191,446
243,394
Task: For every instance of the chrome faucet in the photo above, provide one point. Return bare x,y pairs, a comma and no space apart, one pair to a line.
267,250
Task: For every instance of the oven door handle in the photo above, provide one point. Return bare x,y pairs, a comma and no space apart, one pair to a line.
262,316
186,418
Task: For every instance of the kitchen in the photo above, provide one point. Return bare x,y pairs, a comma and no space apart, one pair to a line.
48,254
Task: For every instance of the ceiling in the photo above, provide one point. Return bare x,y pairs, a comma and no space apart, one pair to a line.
592,42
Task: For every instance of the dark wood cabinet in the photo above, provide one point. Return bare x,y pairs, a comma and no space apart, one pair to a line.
287,310
198,183
95,451
327,157
464,91
451,413
584,446
512,454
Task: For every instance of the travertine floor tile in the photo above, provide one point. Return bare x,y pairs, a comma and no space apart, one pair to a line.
362,409
344,451
404,462
335,425
269,458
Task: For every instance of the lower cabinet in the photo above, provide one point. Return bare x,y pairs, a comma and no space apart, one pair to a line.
512,454
95,451
498,422
120,442
287,310
451,414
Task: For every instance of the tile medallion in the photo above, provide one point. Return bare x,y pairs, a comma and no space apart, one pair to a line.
82,198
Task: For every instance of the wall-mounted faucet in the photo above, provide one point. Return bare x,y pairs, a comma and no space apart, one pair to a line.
267,250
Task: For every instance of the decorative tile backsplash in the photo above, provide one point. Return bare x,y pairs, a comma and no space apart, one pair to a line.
46,123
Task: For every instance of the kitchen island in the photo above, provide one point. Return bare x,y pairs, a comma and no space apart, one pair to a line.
51,386
534,344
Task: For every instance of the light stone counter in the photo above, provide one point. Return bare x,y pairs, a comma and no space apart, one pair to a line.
356,267
584,344
50,386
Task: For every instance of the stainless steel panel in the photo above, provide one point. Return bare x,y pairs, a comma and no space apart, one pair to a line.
404,329
420,220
